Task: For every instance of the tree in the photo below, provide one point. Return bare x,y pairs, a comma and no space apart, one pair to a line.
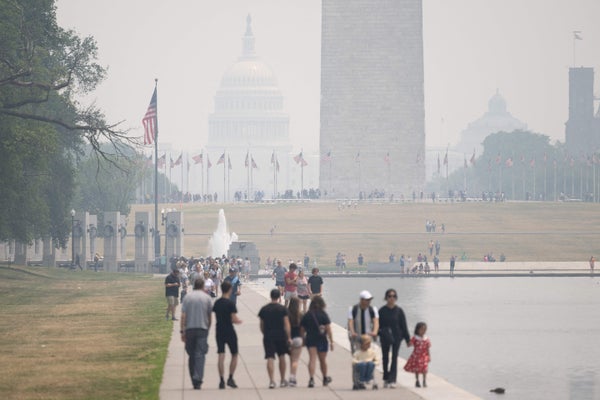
42,127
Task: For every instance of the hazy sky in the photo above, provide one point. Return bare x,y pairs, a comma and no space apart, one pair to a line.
471,48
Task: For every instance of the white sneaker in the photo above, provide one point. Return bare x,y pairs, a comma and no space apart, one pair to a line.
392,385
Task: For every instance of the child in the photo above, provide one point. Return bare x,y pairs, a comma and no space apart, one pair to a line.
364,361
420,357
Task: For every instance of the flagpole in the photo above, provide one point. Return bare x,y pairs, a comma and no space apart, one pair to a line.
181,195
156,230
202,178
224,174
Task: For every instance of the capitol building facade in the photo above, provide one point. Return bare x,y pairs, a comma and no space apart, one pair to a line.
249,126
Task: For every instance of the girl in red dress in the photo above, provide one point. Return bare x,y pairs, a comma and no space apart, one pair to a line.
420,357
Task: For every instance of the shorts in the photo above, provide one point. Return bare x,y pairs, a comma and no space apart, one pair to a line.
289,295
322,345
304,297
275,346
172,301
228,338
280,283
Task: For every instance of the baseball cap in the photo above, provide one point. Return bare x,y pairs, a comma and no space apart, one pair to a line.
366,295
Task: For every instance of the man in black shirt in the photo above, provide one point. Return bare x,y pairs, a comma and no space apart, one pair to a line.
172,284
315,283
276,329
226,313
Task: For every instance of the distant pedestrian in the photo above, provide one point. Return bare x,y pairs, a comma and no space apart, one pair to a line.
315,283
302,289
430,246
172,293
277,336
361,259
452,264
279,276
291,283
419,359
196,318
592,263
236,284
438,246
226,314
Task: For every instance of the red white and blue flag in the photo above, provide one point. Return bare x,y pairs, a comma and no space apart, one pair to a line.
150,122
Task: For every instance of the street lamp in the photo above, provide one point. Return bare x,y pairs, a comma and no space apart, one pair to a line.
72,238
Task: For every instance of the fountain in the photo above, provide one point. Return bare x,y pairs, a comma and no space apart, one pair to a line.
220,241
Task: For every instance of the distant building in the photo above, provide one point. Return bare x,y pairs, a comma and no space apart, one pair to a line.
372,98
582,130
496,119
249,124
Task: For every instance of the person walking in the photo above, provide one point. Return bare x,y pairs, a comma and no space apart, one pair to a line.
291,283
297,341
302,289
236,284
172,284
316,327
277,336
315,283
420,357
279,276
592,263
196,318
226,314
363,319
452,264
392,330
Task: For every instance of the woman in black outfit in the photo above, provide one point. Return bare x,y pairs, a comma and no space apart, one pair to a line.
392,329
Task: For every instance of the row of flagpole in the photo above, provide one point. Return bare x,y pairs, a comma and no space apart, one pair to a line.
569,162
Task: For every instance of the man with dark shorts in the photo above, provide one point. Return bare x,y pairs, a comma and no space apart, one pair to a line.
172,284
236,284
277,338
279,276
226,312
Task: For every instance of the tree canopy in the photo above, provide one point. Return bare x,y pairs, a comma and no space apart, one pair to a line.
43,129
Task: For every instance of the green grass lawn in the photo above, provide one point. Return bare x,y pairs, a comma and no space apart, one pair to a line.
81,335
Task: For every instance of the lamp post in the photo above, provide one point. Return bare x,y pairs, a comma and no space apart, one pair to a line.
72,238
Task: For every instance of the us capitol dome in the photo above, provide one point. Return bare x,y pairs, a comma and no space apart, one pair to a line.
249,122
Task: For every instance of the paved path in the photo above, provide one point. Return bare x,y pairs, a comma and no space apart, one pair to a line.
251,375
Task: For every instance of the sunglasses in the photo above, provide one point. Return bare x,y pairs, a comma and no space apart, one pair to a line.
392,296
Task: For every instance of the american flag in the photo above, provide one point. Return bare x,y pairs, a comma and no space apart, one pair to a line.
386,159
273,157
150,121
229,163
473,157
208,163
254,164
221,159
509,162
446,158
162,160
197,159
247,162
277,165
179,159
326,157
300,160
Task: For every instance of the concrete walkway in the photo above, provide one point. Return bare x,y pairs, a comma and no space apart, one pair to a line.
251,374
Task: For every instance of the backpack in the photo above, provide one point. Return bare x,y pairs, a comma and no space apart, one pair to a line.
355,311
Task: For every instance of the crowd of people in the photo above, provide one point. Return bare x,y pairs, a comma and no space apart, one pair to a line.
294,318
